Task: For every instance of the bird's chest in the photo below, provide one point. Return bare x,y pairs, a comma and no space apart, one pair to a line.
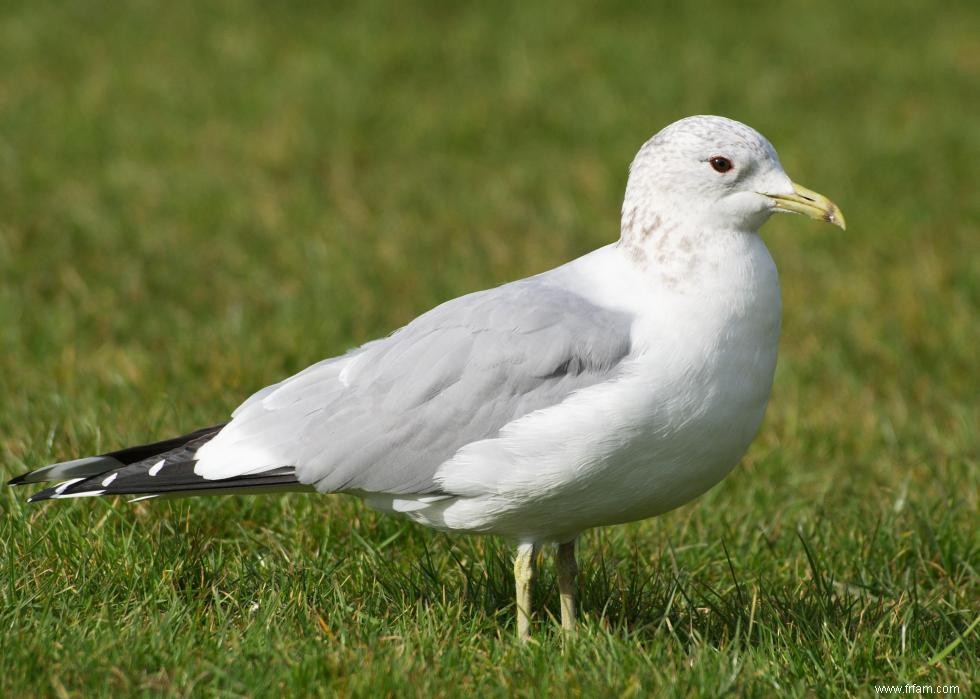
710,351
703,380
676,422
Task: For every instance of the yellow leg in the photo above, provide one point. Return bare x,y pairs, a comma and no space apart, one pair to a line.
567,572
524,577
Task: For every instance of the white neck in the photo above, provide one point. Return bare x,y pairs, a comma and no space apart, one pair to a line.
690,257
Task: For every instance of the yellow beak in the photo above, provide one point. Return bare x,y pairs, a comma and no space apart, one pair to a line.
809,203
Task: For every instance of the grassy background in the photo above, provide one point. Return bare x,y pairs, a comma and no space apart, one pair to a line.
197,199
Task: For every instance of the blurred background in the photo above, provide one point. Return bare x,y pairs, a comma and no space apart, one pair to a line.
197,199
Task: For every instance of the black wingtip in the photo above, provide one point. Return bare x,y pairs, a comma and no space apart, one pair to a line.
41,495
104,463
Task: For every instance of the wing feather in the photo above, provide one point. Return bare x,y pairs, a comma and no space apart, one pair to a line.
382,418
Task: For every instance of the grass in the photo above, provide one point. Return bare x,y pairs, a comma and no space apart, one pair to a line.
200,198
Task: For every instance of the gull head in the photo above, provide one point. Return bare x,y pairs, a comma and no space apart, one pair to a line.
713,173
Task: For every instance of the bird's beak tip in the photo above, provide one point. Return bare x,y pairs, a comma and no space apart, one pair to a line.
836,217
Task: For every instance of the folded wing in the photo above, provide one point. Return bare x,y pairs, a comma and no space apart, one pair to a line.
382,418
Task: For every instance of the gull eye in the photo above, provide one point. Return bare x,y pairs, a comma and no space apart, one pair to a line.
720,164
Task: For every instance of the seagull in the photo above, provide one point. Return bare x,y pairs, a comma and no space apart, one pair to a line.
613,388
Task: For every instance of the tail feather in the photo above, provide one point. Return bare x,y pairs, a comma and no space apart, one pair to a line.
161,469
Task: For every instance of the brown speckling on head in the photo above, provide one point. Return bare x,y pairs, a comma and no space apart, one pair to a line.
628,222
650,227
673,191
635,235
638,255
665,235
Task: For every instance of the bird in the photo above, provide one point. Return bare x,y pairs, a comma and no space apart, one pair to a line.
613,388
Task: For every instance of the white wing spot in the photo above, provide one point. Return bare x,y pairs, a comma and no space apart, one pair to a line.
86,494
109,479
145,497
155,468
60,488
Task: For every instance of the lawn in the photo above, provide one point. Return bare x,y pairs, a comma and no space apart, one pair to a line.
197,199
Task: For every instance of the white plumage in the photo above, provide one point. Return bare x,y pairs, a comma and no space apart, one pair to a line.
613,388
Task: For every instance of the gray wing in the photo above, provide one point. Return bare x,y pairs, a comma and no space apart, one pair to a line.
383,418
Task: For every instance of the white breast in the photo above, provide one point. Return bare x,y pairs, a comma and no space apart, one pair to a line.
674,422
